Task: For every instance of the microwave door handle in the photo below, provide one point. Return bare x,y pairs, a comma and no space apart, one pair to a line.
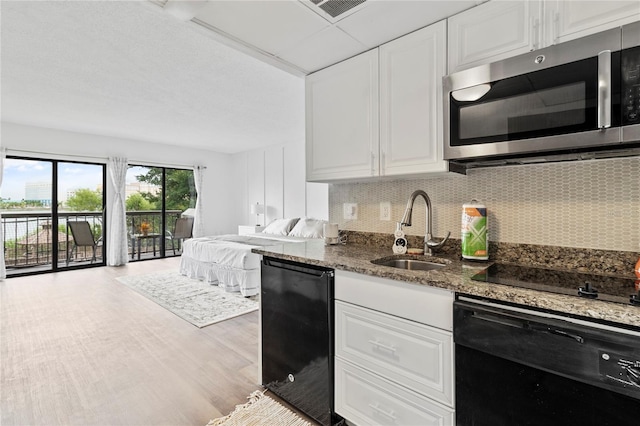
604,89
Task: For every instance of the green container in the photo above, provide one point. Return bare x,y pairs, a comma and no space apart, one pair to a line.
474,231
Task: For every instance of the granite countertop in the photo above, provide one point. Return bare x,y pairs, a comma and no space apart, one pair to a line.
456,276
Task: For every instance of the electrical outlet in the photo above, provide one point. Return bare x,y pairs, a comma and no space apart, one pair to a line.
350,211
385,210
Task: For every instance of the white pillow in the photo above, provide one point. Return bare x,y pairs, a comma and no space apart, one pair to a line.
308,228
280,226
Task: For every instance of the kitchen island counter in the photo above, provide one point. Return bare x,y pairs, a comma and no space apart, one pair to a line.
456,276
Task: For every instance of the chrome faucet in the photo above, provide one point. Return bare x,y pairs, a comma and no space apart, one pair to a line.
429,244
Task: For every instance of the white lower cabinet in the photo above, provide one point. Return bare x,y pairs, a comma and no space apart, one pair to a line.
393,366
407,352
363,398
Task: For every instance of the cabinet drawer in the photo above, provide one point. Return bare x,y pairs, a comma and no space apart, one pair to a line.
415,302
412,354
364,399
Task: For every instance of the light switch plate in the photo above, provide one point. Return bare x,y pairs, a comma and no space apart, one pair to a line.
350,211
385,210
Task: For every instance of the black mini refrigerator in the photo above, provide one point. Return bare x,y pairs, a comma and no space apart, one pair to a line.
297,335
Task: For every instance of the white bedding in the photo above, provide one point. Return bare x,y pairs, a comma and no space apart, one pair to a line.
227,261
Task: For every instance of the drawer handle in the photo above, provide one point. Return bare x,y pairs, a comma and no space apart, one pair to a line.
388,414
380,345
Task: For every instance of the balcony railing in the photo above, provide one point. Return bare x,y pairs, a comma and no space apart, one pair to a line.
29,238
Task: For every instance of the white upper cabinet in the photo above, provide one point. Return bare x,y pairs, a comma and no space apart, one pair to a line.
568,20
351,133
492,31
342,120
411,71
500,29
380,113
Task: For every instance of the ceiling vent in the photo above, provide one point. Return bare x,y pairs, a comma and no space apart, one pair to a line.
334,10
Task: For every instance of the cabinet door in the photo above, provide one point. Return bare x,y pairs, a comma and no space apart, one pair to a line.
363,398
342,120
415,302
411,354
568,20
411,71
493,31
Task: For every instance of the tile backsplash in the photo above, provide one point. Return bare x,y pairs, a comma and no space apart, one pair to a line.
585,204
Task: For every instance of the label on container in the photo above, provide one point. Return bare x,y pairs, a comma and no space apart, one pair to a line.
400,245
474,232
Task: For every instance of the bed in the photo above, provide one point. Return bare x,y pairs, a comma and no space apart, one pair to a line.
227,260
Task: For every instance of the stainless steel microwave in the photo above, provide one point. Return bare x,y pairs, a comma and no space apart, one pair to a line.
569,99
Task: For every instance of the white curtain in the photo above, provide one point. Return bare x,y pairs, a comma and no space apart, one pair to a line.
198,225
117,240
3,268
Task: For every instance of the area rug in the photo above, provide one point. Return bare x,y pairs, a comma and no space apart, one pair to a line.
260,411
195,301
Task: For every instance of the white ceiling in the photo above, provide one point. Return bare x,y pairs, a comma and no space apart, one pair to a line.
129,69
304,38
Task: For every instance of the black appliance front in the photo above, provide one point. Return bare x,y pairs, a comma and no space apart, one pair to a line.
631,93
630,70
297,336
514,368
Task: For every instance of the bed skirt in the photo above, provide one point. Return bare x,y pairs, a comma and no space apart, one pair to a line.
245,281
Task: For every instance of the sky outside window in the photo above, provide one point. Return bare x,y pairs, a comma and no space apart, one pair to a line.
19,173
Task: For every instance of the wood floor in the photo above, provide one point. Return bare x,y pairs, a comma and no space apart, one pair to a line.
79,348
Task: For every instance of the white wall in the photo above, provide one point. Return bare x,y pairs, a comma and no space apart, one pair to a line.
220,214
274,183
295,200
275,177
317,196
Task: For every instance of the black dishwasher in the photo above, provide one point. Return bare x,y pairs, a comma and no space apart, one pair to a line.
297,335
516,366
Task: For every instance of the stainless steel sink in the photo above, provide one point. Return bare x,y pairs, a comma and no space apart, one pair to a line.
410,264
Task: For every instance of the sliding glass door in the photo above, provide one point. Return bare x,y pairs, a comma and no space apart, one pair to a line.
180,202
39,199
80,213
156,197
26,200
53,213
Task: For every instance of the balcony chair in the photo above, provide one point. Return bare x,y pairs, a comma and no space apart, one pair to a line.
182,229
82,237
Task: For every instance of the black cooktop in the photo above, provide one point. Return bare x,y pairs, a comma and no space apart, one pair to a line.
579,284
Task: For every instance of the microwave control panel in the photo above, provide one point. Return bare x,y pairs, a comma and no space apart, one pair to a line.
631,86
